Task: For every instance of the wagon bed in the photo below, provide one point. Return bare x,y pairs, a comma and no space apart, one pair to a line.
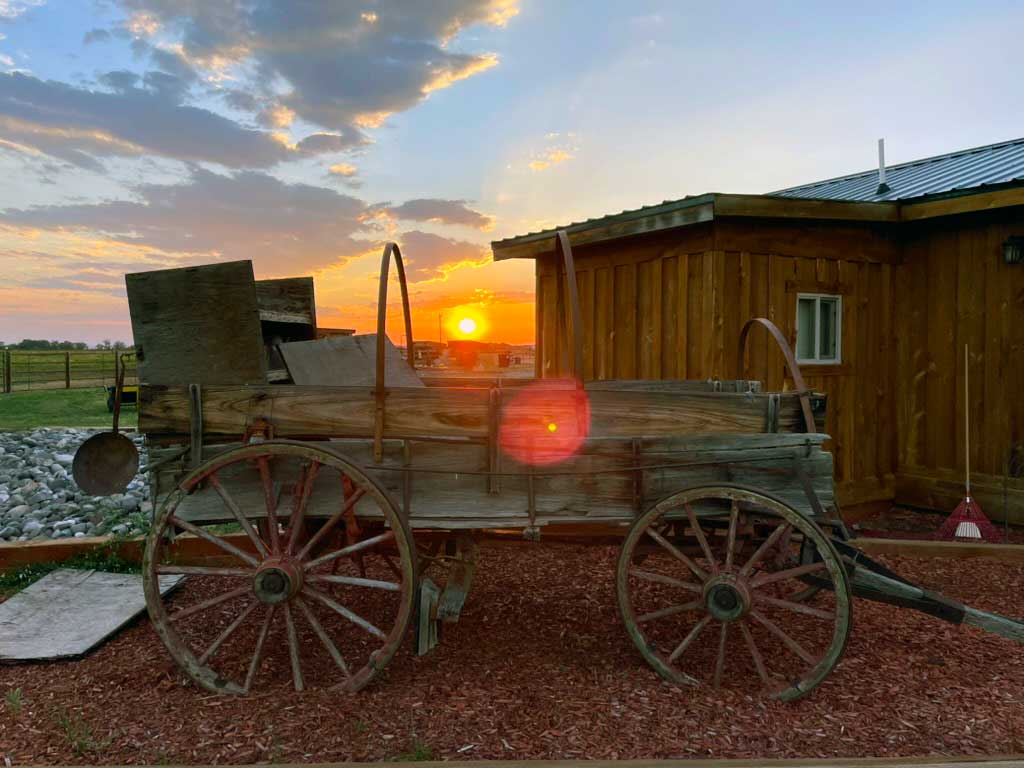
360,505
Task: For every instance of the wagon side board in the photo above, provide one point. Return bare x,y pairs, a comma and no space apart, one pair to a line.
435,412
608,481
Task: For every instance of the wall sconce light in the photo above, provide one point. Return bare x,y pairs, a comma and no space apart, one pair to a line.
1013,249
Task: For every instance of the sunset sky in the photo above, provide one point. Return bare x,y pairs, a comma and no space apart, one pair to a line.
141,134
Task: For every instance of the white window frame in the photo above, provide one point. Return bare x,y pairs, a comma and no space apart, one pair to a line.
817,297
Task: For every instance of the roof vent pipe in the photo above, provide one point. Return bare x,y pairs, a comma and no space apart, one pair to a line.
882,186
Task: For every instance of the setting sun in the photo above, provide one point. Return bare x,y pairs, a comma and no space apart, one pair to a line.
467,326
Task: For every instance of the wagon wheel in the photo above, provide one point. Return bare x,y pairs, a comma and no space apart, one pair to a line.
703,596
319,591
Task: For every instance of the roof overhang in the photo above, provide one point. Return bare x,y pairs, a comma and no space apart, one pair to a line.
695,210
689,211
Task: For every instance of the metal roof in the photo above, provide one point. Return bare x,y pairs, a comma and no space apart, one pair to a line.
666,206
1001,163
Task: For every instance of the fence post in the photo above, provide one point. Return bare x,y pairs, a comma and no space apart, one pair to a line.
7,370
67,370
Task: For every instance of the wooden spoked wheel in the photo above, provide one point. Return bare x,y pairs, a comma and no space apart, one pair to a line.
706,583
315,584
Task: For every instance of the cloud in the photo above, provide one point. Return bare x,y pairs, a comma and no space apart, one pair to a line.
340,65
286,229
12,9
549,158
441,212
432,257
343,169
76,124
96,36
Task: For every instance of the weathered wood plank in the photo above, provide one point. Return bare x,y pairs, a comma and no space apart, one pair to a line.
443,412
197,325
346,361
289,299
68,612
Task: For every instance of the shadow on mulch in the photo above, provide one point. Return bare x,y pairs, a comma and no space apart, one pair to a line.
540,667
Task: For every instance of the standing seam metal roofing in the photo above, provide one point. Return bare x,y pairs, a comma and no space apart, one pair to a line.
1001,163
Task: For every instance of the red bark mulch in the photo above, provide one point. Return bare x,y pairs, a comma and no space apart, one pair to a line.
541,667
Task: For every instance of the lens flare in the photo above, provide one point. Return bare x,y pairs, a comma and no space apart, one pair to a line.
545,422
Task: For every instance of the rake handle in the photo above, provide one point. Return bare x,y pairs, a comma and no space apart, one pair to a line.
967,427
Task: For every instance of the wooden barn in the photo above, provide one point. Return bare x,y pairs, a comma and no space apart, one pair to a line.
877,279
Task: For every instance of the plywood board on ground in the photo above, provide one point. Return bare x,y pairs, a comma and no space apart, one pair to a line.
69,612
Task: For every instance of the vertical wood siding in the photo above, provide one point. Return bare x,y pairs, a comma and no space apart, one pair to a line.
673,307
954,288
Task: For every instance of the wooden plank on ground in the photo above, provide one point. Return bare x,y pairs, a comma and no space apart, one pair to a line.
69,612
759,762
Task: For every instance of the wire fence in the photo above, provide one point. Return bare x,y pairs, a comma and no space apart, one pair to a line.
23,370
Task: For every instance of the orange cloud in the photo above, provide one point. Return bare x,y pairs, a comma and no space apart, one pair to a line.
342,169
551,157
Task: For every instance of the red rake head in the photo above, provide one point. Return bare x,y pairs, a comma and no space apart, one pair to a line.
969,523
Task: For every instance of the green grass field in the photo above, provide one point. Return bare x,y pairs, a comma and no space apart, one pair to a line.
45,370
59,408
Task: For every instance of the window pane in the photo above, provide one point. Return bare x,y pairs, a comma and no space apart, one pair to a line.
805,329
827,318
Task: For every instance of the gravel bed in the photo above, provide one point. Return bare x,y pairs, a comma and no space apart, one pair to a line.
540,667
39,498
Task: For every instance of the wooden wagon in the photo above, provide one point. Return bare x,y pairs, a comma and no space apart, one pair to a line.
342,515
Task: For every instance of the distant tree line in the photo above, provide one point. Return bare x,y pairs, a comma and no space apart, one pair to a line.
42,345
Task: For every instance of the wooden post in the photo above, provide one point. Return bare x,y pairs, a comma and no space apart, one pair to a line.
67,370
7,370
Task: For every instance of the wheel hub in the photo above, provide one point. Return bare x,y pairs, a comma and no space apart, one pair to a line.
277,581
726,598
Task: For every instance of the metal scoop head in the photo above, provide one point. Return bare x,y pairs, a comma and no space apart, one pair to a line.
105,464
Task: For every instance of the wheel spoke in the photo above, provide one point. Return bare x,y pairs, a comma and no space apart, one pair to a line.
215,540
359,621
672,550
349,503
755,654
730,543
215,646
258,652
243,521
270,501
766,545
668,580
304,488
791,573
720,661
798,607
359,546
394,568
672,610
701,538
355,581
293,647
201,570
222,598
697,629
788,641
332,649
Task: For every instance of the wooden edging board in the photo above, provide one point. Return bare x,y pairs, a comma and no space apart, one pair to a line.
839,762
955,550
191,550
